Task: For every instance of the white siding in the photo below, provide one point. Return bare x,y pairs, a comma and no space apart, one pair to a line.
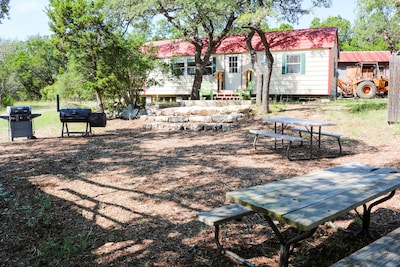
170,85
318,78
314,81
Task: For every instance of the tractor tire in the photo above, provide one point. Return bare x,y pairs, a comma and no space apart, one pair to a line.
366,89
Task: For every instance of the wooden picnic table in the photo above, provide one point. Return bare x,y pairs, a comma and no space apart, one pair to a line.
310,200
309,126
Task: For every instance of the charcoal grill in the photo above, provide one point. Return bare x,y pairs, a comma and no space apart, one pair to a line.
73,115
20,122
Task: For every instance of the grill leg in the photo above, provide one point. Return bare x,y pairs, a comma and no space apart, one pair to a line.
88,129
64,125
10,131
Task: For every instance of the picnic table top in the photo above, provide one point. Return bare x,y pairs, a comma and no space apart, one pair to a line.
299,122
310,200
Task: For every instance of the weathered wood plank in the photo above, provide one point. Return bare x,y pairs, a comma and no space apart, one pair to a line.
311,216
309,200
383,252
223,214
293,194
275,135
335,135
394,91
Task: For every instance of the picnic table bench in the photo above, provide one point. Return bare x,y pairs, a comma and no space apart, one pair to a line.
220,215
307,201
276,136
339,137
383,252
313,127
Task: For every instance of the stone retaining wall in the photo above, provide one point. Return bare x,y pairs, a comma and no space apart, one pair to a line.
212,116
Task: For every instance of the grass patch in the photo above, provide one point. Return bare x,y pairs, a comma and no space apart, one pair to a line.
360,106
56,252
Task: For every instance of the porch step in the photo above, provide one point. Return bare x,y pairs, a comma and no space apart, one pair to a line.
227,96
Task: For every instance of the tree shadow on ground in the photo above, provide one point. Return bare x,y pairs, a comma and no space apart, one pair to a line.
123,198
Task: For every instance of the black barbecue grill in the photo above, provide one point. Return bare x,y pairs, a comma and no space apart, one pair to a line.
19,121
68,115
82,115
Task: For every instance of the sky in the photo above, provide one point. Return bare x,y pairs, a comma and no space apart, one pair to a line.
28,17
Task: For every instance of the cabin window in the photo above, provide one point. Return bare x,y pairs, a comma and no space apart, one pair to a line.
233,64
264,59
293,64
178,68
211,67
189,65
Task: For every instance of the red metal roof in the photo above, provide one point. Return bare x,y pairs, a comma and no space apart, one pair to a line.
279,41
365,56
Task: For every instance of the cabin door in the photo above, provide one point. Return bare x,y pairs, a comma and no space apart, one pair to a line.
233,78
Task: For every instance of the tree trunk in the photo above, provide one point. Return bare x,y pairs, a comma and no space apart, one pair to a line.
200,65
255,65
263,73
259,84
99,101
388,40
267,72
198,79
394,91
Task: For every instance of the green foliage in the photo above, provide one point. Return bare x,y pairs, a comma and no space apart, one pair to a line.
344,29
102,60
43,214
83,34
7,100
33,65
377,26
8,84
4,9
53,251
68,85
163,30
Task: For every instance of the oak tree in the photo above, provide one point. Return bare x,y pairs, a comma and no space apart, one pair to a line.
377,26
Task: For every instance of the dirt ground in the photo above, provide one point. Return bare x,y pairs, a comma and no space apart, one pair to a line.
129,197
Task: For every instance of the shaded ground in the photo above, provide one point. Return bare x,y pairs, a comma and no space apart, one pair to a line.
129,197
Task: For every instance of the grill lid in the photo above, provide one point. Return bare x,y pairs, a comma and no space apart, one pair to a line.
75,114
18,110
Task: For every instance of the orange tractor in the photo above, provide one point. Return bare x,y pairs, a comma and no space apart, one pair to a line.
364,81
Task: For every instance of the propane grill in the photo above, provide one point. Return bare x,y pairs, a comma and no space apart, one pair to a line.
19,121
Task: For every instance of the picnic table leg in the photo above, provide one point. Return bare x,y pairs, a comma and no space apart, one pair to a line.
319,137
366,217
311,141
228,252
285,244
255,141
275,129
288,151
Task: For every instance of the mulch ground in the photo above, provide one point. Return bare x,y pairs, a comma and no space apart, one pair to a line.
129,197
